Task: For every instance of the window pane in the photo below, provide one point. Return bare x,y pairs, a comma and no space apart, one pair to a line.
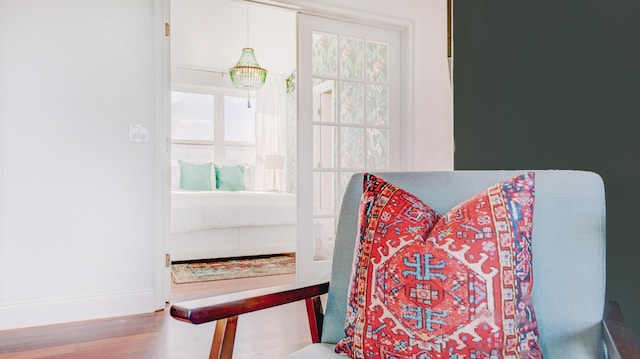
351,102
377,62
324,149
191,153
239,120
351,147
192,116
241,155
325,54
377,149
351,58
377,105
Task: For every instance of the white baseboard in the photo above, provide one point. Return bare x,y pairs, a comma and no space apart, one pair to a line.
31,314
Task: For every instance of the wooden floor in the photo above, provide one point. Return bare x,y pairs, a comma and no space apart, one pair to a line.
271,333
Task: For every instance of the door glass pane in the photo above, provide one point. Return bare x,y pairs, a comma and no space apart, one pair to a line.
377,105
239,119
377,149
377,62
351,102
324,193
191,153
290,169
324,59
351,58
192,116
292,133
351,147
324,230
324,100
324,146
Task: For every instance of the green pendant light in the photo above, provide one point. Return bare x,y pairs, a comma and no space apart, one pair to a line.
247,74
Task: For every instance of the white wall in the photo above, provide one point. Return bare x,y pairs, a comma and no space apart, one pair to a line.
77,197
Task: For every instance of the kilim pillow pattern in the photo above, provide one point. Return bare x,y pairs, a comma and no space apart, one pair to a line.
452,286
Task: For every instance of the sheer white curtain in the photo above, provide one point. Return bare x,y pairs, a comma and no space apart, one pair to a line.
271,135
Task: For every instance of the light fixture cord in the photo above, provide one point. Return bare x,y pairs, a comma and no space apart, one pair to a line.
248,92
247,25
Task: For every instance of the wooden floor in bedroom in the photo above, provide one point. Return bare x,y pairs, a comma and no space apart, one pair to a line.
187,291
271,333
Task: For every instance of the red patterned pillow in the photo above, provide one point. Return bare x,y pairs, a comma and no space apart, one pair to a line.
452,286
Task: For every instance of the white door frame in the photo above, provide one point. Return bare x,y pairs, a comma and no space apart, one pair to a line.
1,147
163,123
162,215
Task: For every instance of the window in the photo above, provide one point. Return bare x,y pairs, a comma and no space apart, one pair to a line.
212,127
239,130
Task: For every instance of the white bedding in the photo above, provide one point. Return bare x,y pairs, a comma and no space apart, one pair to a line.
198,210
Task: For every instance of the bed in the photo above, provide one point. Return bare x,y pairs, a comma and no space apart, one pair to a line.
220,224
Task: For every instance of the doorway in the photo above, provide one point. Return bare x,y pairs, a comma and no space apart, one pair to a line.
316,184
246,206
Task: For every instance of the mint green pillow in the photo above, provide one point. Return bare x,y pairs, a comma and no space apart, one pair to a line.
230,178
195,176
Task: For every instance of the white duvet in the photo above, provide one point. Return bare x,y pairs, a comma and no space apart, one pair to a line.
197,210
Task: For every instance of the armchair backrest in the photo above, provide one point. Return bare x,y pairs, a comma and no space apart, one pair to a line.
568,250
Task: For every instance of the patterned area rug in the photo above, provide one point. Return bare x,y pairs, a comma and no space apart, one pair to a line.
233,268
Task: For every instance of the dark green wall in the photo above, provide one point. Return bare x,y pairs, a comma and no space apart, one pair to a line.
556,85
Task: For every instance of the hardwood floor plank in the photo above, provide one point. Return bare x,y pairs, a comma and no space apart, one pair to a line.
78,332
267,334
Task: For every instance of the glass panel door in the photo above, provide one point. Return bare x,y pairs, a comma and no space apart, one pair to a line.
349,122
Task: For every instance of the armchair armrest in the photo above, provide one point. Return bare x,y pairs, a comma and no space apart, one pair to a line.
208,309
620,340
224,309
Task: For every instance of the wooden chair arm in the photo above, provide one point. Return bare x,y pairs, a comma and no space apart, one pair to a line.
621,341
224,309
225,306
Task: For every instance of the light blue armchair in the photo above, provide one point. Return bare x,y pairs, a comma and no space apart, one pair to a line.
574,318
